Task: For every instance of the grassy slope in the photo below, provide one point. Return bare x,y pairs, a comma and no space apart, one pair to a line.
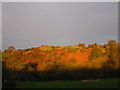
104,83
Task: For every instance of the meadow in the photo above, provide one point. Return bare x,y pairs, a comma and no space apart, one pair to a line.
98,83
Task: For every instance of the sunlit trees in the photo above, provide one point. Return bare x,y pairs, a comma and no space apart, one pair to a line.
96,53
112,43
81,45
92,45
46,48
49,57
63,62
113,53
10,49
31,64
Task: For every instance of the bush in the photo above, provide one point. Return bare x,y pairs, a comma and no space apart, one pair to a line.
96,53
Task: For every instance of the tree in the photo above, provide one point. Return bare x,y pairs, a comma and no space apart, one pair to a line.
81,45
96,53
112,42
31,64
113,53
10,49
92,45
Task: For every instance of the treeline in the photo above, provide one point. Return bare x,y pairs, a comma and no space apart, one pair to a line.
47,58
10,77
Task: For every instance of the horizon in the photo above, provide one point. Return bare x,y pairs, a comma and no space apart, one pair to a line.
57,45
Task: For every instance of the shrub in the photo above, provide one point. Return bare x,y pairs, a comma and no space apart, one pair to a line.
96,53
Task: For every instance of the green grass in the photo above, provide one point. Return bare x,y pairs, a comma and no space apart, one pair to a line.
104,83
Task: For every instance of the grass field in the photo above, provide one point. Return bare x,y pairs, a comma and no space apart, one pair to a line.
102,83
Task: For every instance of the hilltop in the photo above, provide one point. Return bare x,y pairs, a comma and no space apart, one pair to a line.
46,57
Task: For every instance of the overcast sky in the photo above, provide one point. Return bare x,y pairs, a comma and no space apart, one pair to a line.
32,24
0,25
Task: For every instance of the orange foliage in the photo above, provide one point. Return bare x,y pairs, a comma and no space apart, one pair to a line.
78,56
34,62
40,59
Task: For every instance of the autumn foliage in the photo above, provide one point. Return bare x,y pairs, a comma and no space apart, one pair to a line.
46,57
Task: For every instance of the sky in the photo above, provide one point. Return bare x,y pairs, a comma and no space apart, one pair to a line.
30,24
0,26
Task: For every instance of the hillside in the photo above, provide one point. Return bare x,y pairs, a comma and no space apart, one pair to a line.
46,57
